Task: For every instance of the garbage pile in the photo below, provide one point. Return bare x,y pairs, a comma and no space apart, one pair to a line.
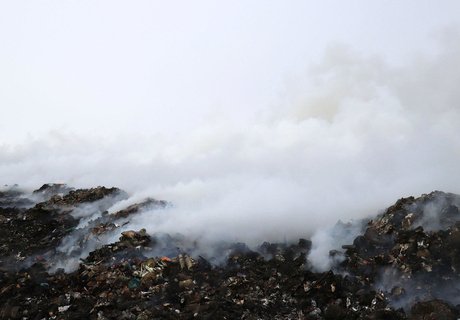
56,263
412,251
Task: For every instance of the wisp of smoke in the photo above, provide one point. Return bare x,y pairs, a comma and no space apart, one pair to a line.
326,251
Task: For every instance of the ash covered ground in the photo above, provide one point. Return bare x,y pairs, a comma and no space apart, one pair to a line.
64,256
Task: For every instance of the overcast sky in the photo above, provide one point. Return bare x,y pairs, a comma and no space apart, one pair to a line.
294,113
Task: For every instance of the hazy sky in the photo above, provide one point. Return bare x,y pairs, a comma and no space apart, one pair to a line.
117,66
294,113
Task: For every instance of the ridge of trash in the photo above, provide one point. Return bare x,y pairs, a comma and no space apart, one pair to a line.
404,265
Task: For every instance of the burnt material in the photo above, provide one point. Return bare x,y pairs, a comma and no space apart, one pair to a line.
404,265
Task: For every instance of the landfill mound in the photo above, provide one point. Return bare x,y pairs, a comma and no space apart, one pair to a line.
57,262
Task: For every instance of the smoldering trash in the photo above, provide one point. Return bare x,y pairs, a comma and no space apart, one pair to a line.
64,256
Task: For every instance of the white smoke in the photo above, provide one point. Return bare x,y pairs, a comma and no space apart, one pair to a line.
326,251
347,138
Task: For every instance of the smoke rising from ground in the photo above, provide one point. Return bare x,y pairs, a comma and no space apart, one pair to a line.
346,139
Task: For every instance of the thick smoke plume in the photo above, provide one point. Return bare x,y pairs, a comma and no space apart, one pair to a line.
344,141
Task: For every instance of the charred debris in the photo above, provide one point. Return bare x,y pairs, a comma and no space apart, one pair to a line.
57,262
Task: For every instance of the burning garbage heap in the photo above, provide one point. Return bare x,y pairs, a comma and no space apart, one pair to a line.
404,265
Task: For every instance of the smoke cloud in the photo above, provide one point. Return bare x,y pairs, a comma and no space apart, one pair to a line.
347,137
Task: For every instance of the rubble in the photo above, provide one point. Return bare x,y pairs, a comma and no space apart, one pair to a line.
13,196
48,190
414,243
404,265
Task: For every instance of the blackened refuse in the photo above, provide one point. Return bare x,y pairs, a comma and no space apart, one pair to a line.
404,265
